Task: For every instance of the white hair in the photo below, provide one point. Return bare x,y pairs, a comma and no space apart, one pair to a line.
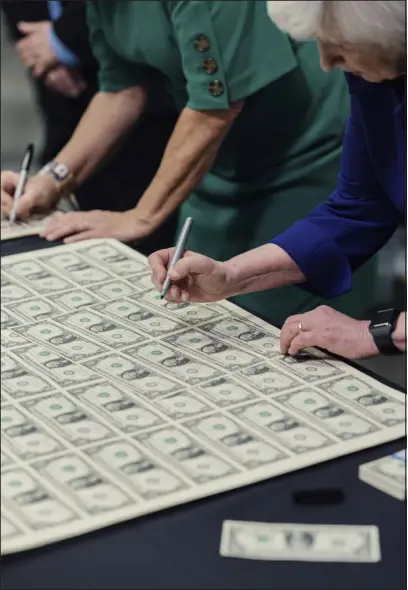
377,22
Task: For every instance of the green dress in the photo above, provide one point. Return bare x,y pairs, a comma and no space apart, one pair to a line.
282,155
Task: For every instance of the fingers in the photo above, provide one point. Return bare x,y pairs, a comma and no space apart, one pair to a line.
299,332
6,204
23,207
159,261
72,86
300,341
288,333
66,225
27,28
290,329
26,204
85,235
25,52
60,80
292,339
9,181
191,265
177,294
174,293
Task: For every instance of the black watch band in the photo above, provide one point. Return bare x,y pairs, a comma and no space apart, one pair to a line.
381,328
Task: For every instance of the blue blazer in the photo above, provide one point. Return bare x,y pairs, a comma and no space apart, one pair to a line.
370,200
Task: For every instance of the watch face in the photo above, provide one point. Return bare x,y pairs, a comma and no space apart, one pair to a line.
381,329
385,318
380,324
61,171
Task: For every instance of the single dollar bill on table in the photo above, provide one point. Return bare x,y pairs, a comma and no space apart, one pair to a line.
300,542
387,474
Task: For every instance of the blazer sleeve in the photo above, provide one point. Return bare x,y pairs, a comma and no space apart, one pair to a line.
114,73
72,30
357,220
229,50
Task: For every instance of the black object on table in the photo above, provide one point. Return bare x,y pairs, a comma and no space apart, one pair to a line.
319,496
179,548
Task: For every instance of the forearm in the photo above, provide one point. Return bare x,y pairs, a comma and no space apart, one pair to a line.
108,117
189,155
266,267
399,336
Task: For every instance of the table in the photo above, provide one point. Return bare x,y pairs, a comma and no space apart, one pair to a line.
178,548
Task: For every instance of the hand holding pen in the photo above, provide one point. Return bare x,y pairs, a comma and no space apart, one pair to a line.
189,277
178,252
22,181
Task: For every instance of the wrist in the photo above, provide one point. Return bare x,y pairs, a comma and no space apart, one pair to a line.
232,275
265,267
383,325
48,188
61,176
368,345
143,225
398,336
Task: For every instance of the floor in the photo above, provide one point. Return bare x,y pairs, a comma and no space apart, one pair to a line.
20,125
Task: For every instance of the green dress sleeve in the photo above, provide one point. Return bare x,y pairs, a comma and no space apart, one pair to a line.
115,73
229,50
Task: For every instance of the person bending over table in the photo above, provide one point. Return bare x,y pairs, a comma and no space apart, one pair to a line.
320,252
52,41
256,147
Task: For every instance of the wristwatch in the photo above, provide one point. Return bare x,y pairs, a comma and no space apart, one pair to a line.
381,328
61,175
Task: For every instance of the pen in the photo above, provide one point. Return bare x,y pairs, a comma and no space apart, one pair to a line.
178,251
24,172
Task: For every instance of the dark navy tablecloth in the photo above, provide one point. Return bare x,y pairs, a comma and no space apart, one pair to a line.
179,548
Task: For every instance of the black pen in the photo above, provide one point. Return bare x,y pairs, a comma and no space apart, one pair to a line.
24,172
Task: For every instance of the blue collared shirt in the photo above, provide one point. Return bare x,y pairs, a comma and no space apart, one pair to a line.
64,55
370,200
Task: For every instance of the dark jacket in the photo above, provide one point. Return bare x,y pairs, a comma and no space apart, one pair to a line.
71,27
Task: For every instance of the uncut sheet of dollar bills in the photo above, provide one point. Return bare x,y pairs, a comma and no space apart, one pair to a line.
22,228
116,404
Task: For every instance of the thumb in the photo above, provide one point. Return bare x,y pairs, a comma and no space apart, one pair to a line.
25,204
189,265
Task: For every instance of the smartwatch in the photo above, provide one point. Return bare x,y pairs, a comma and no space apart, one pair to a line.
381,328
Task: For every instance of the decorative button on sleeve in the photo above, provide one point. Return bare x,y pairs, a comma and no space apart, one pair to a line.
202,43
210,66
216,88
229,50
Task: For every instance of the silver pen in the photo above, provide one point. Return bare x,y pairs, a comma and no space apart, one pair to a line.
24,172
178,251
